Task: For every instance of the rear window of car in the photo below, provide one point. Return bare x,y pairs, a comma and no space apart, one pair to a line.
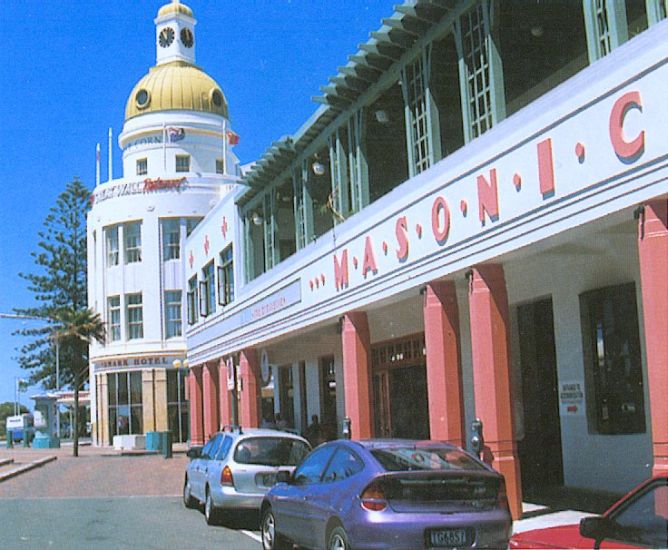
271,451
406,459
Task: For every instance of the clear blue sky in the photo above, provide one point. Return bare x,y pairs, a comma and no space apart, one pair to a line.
67,67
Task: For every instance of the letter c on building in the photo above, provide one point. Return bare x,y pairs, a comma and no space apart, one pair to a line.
626,151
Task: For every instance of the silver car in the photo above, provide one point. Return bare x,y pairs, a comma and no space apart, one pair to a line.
236,468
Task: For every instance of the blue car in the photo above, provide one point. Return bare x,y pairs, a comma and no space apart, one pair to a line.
387,494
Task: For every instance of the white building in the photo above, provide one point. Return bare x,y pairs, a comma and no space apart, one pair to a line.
176,166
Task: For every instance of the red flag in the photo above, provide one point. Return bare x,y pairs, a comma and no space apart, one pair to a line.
232,138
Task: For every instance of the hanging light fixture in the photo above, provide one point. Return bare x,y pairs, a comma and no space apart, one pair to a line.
257,218
318,168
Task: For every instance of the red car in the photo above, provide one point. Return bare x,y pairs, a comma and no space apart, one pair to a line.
638,520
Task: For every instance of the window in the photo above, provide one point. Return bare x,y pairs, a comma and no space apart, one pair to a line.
613,368
111,234
644,521
177,405
172,313
415,82
343,465
124,391
226,277
132,233
191,223
192,301
142,167
270,451
207,295
183,163
171,237
220,166
135,316
114,318
310,471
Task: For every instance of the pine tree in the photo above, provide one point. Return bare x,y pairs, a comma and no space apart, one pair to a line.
59,287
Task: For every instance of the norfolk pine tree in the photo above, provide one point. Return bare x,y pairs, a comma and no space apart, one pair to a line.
59,287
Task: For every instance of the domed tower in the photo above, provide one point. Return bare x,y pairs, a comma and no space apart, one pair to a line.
177,164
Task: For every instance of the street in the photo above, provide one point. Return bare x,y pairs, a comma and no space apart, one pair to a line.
105,501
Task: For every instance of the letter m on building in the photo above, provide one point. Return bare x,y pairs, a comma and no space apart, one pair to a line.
341,270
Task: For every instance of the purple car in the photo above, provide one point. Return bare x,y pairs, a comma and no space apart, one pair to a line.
394,494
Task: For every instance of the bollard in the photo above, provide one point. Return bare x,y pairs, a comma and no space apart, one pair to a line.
10,439
167,444
26,438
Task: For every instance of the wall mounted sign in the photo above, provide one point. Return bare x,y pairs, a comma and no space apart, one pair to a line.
571,398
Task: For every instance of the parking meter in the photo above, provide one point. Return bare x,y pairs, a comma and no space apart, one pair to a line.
477,439
347,430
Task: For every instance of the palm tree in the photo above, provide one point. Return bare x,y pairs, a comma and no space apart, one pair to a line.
75,330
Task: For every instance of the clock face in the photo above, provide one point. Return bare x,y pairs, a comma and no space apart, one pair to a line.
166,37
187,38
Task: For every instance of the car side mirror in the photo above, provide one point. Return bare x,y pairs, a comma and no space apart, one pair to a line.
283,476
194,452
596,527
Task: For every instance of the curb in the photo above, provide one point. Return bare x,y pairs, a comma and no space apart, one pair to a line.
5,461
26,468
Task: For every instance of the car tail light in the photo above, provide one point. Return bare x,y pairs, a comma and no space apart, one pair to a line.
226,476
373,497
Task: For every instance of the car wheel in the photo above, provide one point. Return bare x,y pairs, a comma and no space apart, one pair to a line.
188,499
211,513
338,539
271,540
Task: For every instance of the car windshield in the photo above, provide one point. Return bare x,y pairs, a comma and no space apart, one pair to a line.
406,459
271,451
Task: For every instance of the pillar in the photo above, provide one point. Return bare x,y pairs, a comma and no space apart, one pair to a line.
250,397
653,252
195,394
444,376
160,400
356,344
224,397
210,404
103,411
488,304
148,400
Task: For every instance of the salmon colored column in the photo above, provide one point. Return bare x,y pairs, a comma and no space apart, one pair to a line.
224,396
444,376
195,396
250,398
488,305
653,251
356,343
210,385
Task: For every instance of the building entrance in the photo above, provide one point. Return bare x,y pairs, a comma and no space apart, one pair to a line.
539,451
400,389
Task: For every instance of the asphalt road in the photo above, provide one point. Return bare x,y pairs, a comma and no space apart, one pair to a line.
116,522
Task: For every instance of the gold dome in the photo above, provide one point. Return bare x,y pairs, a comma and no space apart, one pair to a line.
176,86
175,7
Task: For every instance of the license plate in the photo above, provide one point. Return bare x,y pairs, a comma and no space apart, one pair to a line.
448,538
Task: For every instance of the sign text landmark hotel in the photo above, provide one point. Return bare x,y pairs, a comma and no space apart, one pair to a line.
473,224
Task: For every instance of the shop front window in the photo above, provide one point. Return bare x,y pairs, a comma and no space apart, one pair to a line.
177,405
613,366
125,403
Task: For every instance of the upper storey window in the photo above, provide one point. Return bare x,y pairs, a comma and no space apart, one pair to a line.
220,166
111,242
191,224
132,242
171,232
142,167
183,163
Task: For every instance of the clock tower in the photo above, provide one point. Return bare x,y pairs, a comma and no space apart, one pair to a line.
175,34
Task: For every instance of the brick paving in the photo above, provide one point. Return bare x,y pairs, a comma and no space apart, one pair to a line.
97,472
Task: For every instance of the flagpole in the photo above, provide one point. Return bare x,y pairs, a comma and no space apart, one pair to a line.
224,147
110,158
97,165
164,146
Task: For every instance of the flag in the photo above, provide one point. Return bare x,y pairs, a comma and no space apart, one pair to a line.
232,138
176,134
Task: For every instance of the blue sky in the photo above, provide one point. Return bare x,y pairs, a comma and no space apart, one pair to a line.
67,69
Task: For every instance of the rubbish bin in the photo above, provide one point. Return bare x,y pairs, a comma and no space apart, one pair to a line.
153,441
10,439
167,444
